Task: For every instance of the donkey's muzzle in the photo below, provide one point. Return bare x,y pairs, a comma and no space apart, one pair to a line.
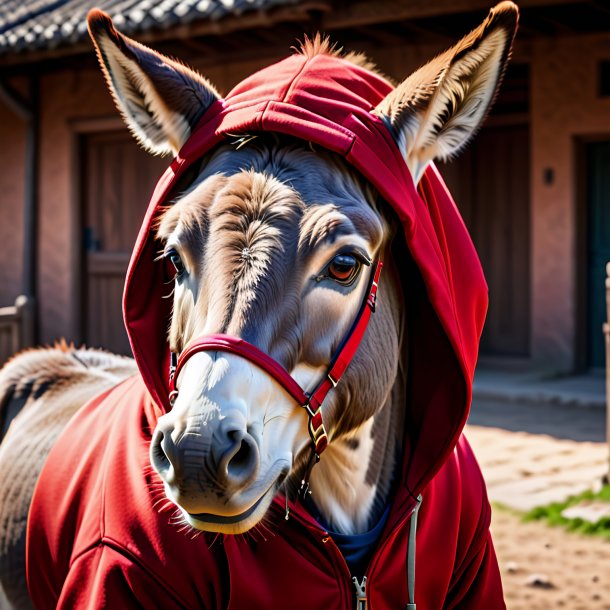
221,458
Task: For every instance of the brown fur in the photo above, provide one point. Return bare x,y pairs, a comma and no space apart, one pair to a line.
255,210
322,45
50,384
437,110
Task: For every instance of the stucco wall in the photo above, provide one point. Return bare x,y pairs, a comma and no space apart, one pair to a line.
12,162
564,107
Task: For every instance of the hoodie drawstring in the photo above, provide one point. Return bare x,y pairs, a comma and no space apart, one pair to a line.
411,556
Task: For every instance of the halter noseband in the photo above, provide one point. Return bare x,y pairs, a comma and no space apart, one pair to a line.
311,402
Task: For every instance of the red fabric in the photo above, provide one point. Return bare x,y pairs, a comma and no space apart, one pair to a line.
95,538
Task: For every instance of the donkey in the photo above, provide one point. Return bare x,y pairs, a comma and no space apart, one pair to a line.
273,245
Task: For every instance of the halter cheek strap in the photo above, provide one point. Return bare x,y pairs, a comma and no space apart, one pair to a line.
311,402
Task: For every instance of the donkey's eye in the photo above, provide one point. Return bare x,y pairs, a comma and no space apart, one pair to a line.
344,268
176,261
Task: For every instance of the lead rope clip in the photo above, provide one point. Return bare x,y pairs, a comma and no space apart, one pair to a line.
304,489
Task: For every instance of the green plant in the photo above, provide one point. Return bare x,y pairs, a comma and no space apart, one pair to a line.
552,513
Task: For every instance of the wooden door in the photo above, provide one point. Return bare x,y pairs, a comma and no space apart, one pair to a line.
118,181
490,184
597,248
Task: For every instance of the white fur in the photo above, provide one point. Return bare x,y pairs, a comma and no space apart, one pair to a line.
338,483
219,383
213,385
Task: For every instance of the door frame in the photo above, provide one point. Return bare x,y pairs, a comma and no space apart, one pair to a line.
580,216
79,130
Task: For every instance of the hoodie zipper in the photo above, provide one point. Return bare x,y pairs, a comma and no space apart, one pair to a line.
360,588
361,602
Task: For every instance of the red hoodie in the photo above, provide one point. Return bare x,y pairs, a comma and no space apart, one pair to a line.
96,538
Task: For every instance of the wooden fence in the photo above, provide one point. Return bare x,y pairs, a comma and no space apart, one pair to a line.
16,327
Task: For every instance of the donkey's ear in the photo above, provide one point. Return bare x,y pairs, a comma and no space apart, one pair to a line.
160,99
436,110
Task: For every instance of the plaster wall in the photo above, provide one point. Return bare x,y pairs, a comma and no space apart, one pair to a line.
565,108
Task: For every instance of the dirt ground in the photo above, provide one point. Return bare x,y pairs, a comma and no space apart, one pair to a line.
545,567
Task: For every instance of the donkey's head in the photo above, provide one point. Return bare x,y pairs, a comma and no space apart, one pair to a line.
275,242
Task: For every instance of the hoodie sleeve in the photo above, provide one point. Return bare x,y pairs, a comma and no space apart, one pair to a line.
479,585
103,577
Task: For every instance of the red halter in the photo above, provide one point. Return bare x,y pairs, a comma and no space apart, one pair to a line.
312,402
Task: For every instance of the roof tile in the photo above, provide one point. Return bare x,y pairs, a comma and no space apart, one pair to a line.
28,25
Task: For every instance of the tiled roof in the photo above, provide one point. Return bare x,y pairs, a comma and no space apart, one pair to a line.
27,25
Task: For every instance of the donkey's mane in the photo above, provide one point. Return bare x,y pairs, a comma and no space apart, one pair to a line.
322,45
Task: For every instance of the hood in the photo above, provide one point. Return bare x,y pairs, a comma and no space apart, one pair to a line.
328,100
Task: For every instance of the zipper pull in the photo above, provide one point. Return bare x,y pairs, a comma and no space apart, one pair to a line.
361,603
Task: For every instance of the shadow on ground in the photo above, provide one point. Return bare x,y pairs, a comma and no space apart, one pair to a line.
559,421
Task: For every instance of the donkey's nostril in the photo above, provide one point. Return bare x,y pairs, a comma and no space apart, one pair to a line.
240,461
158,457
241,458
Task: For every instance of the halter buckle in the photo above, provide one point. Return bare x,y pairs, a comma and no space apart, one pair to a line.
317,432
173,363
372,300
310,411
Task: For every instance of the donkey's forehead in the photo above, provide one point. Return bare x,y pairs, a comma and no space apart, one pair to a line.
295,190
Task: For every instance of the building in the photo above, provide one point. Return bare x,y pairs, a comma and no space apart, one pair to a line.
534,186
